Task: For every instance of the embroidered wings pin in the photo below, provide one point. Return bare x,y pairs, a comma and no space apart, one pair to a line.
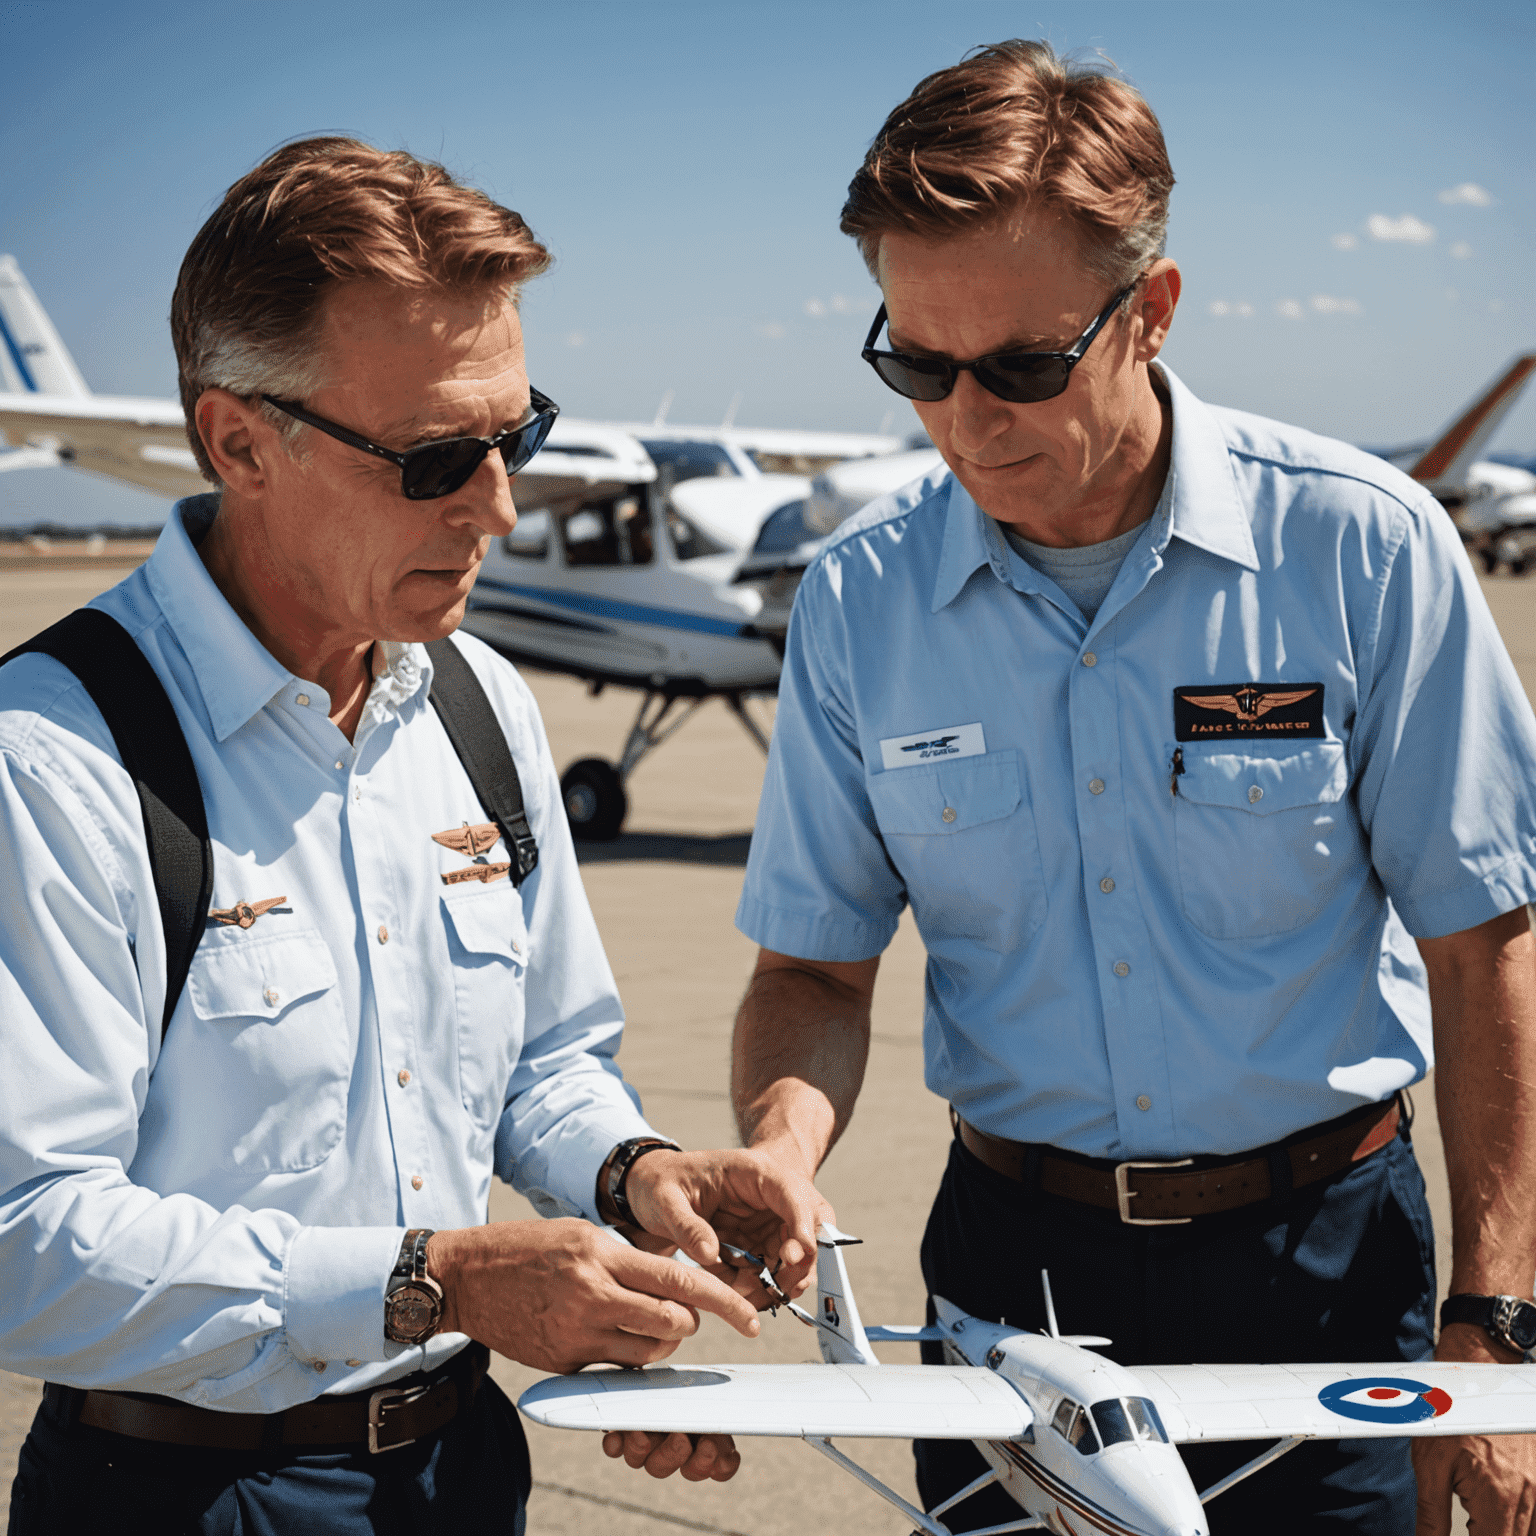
1249,703
244,913
472,842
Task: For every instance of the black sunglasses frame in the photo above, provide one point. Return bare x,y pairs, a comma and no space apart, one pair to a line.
523,441
1053,369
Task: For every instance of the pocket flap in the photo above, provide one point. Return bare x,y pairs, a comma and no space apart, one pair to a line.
1318,775
946,797
237,975
489,920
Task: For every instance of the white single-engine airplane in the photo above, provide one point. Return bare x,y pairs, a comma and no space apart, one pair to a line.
1080,1443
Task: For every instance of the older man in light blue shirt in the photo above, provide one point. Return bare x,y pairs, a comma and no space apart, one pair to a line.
1189,740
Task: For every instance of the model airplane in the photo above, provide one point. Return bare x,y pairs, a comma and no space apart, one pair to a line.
1078,1441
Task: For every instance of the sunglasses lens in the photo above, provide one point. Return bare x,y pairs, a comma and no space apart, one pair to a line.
917,378
521,445
1032,379
439,469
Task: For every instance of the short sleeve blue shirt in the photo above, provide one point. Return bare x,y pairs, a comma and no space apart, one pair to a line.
1166,865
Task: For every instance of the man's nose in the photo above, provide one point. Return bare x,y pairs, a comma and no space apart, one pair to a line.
484,501
977,416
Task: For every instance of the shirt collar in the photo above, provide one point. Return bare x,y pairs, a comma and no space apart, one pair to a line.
235,672
1206,508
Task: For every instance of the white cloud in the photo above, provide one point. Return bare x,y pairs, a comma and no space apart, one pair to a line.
1220,307
1468,192
1243,309
841,305
575,339
1461,250
1407,228
1326,304
773,330
1290,309
1344,242
815,308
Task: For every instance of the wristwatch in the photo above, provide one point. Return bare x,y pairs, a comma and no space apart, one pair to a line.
1509,1320
413,1300
621,1160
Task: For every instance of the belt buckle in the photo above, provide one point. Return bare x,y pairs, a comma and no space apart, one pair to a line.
1124,1194
378,1403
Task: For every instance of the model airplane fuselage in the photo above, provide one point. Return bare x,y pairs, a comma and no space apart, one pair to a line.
1080,1443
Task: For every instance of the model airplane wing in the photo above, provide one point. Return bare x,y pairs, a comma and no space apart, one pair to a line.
901,1402
1261,1402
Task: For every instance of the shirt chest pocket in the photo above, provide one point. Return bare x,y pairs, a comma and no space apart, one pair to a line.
488,946
1263,840
266,1041
962,835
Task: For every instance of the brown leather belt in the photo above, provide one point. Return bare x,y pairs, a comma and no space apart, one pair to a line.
382,1420
1153,1194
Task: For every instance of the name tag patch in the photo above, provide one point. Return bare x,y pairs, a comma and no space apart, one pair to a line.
924,746
1247,709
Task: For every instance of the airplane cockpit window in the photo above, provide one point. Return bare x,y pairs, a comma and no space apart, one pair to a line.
1071,1421
1128,1418
530,539
690,461
785,530
689,541
612,532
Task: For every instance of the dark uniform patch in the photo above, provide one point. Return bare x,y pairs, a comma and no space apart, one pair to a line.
1247,709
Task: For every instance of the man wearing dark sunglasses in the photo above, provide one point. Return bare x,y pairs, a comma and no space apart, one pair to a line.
1171,725
246,1240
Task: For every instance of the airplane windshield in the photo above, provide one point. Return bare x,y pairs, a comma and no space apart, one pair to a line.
1071,1421
616,531
1128,1418
690,461
785,530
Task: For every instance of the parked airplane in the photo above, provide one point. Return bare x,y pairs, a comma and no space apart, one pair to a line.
1076,1440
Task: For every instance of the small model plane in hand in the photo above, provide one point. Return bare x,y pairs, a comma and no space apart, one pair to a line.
1081,1444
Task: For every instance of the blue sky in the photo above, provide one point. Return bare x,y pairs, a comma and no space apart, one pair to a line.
686,163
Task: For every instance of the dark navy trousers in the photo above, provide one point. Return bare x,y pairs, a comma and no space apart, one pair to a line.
470,1477
1342,1270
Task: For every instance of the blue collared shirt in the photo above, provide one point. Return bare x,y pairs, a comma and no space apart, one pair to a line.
1114,967
215,1218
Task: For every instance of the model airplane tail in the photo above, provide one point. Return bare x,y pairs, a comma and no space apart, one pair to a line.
33,359
839,1329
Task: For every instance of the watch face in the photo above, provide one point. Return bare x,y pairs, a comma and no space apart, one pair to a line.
413,1312
1522,1326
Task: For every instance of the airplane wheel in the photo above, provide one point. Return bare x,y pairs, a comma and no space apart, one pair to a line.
595,802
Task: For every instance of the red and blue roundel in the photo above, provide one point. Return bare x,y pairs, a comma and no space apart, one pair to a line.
1384,1400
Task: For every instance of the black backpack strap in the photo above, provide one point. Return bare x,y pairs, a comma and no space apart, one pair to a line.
478,738
150,742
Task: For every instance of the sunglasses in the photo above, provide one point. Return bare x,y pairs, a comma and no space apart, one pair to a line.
1020,377
439,468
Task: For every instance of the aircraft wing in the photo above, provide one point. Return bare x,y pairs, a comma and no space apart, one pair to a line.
142,442
1262,1402
941,1402
1445,464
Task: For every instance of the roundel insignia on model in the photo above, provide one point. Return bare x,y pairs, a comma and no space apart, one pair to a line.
1384,1400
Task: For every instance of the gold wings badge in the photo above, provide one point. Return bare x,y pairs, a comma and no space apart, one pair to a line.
1249,703
244,913
471,841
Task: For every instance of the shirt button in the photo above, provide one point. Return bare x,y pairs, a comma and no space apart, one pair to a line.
949,813
1089,659
1255,794
302,701
270,996
383,934
417,1181
339,763
1143,1102
1121,968
354,1363
1106,885
402,1077
1095,786
319,1365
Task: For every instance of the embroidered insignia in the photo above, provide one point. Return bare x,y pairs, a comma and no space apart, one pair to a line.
471,841
938,741
1248,709
244,913
484,873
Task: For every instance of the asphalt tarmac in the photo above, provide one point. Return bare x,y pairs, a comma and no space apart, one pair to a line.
664,896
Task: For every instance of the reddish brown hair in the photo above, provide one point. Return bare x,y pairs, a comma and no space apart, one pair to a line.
319,212
1012,125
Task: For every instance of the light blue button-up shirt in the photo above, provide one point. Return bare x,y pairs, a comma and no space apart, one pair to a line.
215,1218
1115,968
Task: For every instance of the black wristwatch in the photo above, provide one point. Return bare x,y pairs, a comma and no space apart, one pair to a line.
1509,1320
621,1160
413,1300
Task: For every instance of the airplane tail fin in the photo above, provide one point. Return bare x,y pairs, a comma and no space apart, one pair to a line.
1443,466
33,359
840,1332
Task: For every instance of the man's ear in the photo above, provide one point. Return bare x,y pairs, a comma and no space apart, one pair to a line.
1159,298
237,439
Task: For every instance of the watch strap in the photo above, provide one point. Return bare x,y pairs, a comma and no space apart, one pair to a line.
412,1261
623,1158
1510,1320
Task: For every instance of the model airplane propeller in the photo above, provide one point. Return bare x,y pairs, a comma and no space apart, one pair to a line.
1074,1438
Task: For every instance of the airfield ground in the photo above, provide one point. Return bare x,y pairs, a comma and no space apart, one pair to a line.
664,897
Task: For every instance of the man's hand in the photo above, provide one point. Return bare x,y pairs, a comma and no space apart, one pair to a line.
696,1200
558,1295
698,1457
1494,1475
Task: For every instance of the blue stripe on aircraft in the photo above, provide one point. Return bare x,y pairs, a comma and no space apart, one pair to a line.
634,613
17,356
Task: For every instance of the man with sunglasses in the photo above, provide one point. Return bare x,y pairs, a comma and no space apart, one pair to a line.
1190,741
248,1249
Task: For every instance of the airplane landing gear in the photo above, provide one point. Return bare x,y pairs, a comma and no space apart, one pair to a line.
593,791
